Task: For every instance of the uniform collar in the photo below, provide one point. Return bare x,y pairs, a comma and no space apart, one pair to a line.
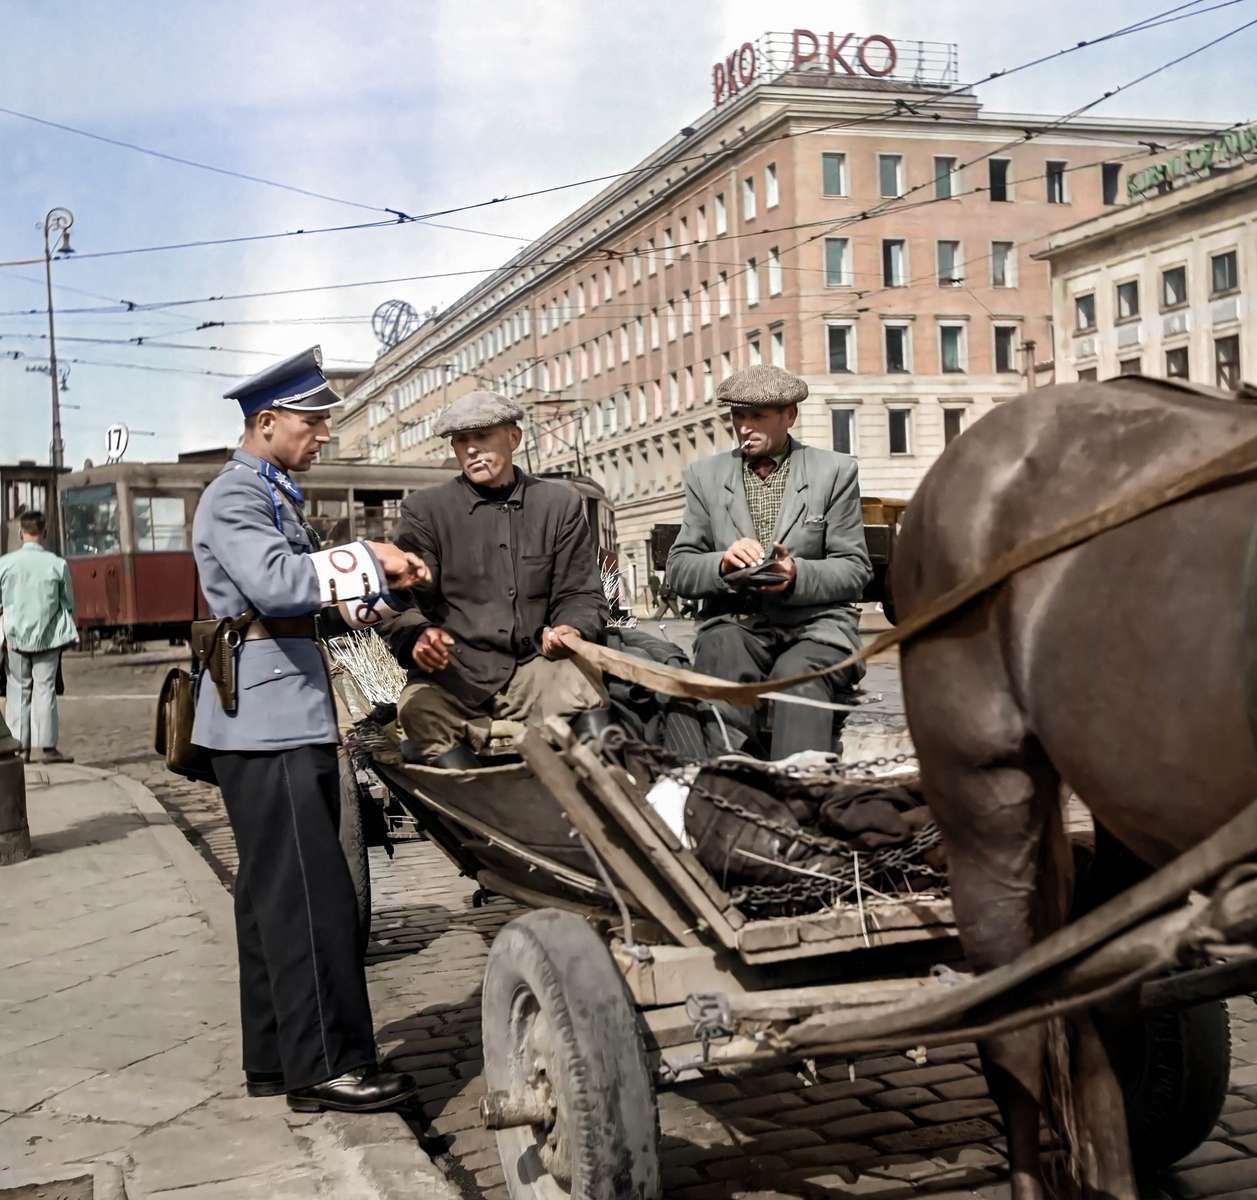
33,546
269,472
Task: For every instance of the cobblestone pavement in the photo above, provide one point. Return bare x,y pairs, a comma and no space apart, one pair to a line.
898,1129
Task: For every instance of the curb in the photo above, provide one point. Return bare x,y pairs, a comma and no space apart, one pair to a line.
384,1153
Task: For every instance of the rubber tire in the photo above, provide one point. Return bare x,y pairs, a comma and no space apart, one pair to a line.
354,843
603,1077
1176,1088
1174,1070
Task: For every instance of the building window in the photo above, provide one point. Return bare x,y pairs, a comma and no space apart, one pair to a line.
687,313
1128,300
674,393
893,273
896,337
704,305
950,271
726,364
998,169
842,429
668,245
637,265
777,346
1084,312
1055,178
839,350
671,319
1176,363
951,341
1110,182
1005,348
1087,375
689,387
754,355
890,174
1173,287
836,274
834,174
654,329
774,272
944,177
722,215
752,283
899,427
772,193
748,199
722,294
1226,362
709,384
1003,265
651,259
641,406
953,424
1224,273
700,223
685,237
639,334
1129,366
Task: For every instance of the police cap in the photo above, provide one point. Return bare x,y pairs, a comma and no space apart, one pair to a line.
297,382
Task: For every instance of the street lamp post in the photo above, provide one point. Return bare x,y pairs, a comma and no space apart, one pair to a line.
57,222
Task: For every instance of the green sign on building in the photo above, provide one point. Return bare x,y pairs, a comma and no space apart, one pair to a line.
1195,161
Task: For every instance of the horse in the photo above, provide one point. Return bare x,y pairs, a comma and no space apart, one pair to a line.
1115,668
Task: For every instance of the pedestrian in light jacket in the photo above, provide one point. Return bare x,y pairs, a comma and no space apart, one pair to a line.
38,606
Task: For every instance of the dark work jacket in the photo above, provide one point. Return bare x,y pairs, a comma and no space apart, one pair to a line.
502,571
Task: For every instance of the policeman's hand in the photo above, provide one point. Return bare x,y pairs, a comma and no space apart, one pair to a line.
783,565
551,646
401,568
431,652
745,552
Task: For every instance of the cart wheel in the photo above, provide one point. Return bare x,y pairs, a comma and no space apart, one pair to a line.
1175,1079
354,843
568,1089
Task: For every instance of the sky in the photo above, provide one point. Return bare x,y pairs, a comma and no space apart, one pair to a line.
414,105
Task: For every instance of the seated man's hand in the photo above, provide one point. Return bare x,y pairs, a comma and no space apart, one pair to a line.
784,566
745,552
431,652
401,568
551,646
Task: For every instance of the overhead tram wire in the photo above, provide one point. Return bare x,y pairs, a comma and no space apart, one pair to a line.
19,356
399,217
155,343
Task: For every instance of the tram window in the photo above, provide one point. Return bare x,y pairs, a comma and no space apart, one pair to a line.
91,520
159,522
376,514
328,513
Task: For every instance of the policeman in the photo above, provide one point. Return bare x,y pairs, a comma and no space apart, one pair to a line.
264,712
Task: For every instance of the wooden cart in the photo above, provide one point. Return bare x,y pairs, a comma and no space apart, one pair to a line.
636,970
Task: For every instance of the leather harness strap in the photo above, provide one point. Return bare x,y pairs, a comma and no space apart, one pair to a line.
1228,468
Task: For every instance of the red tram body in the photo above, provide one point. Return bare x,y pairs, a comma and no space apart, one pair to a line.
127,532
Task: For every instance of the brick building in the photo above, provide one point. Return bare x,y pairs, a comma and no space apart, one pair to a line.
854,219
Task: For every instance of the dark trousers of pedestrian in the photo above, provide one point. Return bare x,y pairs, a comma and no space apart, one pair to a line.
752,655
303,990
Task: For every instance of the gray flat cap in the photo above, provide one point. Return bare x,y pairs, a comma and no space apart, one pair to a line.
761,387
477,410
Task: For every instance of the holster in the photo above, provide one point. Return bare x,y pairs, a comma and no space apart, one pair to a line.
216,645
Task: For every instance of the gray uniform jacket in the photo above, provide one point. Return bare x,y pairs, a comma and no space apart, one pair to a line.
244,561
821,525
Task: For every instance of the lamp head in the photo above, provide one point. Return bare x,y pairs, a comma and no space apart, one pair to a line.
64,247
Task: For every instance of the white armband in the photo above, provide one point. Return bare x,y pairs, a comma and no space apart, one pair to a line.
370,612
347,572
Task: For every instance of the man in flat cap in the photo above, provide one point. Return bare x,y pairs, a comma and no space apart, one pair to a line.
264,712
512,569
772,542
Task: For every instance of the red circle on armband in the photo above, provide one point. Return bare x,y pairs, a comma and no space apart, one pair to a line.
366,615
340,555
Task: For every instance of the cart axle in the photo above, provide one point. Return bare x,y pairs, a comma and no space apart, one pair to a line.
506,1110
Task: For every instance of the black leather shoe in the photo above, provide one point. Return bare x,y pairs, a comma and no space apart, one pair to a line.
461,758
591,724
264,1083
364,1089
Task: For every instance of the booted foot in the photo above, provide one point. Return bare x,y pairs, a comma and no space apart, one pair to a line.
264,1083
365,1089
54,755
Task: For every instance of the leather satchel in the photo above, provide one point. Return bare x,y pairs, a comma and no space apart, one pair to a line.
172,736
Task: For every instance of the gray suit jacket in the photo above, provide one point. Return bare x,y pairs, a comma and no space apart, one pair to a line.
821,525
285,697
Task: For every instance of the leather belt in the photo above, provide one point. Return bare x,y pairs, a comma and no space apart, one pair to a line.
281,627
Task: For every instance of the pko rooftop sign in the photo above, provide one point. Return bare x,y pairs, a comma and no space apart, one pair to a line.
1196,160
874,56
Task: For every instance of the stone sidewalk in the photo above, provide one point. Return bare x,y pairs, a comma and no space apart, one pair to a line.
119,1050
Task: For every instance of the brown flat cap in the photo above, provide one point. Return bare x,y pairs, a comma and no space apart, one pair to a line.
477,410
761,387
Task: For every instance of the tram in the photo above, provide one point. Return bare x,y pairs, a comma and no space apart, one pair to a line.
127,532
